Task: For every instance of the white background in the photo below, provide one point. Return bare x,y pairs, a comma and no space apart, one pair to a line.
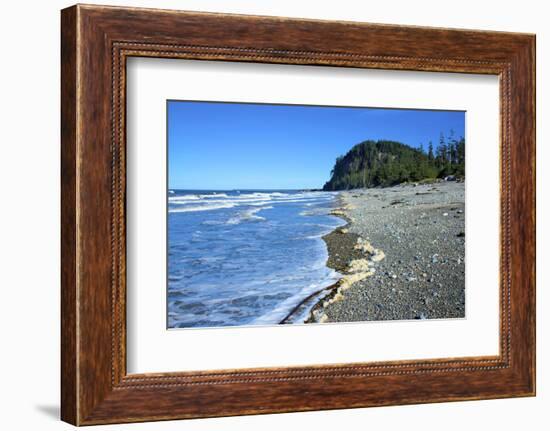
151,348
29,225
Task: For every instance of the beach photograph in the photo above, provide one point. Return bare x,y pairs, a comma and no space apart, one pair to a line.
304,214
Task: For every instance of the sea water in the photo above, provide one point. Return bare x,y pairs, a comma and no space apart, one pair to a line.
245,257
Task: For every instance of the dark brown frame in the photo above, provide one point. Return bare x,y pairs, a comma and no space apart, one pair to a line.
95,42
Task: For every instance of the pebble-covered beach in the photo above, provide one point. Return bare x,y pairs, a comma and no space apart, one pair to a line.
401,255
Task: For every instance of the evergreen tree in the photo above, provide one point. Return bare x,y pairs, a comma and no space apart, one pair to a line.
386,163
430,151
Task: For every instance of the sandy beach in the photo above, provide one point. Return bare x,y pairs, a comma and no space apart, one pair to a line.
401,255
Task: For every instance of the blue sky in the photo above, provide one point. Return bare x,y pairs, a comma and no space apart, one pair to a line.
225,146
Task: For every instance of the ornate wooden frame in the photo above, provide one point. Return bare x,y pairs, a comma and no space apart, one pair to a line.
95,42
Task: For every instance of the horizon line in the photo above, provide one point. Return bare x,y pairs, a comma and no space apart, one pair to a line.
244,188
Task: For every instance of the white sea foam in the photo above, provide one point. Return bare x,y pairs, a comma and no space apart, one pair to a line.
194,203
255,196
259,202
220,201
210,202
252,199
253,292
214,195
200,208
277,314
248,215
183,198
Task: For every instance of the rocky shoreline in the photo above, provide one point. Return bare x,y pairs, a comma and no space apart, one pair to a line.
401,255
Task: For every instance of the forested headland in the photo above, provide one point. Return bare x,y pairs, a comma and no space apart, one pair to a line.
386,163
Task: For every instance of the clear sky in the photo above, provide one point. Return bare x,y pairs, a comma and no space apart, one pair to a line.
225,146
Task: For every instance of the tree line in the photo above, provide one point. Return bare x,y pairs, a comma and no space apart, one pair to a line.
386,163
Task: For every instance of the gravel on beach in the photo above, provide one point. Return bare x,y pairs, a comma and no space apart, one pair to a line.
418,233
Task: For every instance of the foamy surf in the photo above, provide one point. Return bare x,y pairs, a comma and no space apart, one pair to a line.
245,258
209,207
248,215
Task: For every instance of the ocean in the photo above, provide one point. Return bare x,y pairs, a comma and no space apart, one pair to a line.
246,257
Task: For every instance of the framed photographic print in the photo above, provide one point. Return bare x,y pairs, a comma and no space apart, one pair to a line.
267,215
